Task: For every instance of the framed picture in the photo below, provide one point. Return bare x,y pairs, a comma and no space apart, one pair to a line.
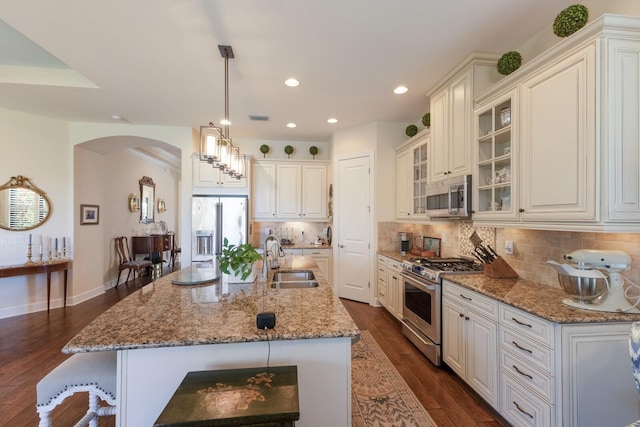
89,214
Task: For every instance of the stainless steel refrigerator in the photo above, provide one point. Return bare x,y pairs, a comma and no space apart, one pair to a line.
215,218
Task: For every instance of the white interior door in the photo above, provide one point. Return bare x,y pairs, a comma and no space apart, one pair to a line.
353,220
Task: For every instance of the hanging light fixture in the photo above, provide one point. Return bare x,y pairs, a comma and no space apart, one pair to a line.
216,147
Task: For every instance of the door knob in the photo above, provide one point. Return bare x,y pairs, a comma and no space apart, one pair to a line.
341,246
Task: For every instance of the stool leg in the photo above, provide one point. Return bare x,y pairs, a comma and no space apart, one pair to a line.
45,418
93,407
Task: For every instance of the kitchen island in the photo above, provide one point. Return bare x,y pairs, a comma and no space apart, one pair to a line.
164,330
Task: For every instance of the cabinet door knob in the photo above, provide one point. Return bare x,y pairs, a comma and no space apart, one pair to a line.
520,210
461,315
341,246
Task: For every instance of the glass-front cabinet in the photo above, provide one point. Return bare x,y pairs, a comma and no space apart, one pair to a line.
495,159
420,169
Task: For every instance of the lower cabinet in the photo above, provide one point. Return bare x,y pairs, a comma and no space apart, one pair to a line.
389,285
545,373
323,259
469,339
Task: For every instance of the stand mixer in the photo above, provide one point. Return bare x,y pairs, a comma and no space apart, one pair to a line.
600,270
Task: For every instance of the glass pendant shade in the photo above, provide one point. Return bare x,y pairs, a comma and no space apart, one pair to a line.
242,166
209,137
223,151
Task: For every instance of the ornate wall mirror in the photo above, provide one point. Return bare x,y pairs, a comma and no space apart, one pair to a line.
147,200
23,206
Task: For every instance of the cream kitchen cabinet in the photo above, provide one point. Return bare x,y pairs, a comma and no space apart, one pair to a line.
205,175
289,190
548,373
412,177
469,339
452,114
578,151
323,258
496,154
301,191
558,140
263,191
390,292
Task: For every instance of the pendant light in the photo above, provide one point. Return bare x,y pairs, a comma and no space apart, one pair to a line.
216,147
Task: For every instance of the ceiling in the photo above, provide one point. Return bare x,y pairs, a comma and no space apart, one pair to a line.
156,62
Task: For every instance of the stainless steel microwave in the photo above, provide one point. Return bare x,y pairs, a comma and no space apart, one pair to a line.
450,198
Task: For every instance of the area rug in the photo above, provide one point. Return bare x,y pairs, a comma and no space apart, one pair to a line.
380,397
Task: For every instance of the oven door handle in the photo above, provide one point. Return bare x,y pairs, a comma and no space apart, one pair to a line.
418,284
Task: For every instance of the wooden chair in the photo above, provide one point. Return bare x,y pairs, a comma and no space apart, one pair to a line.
126,262
174,250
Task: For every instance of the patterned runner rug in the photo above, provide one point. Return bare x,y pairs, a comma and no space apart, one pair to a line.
381,398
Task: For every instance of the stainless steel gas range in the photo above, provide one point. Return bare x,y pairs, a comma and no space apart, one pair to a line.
423,300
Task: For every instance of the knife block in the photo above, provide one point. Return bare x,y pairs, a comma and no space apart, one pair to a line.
499,269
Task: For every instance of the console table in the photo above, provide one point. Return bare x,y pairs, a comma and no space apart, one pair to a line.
23,270
147,245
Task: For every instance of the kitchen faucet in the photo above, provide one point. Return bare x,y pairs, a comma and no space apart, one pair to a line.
274,263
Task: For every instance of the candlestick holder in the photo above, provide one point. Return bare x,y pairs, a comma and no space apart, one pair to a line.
49,260
64,253
29,262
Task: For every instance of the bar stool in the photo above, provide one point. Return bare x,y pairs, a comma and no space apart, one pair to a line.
267,397
91,372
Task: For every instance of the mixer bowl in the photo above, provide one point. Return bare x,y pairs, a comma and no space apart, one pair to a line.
586,290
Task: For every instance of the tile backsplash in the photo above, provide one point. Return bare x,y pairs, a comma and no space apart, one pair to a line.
531,248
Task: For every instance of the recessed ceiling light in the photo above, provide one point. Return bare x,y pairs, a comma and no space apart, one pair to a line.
291,82
291,125
116,117
400,90
332,120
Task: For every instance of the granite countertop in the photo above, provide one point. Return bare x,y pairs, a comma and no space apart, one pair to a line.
306,246
540,300
162,314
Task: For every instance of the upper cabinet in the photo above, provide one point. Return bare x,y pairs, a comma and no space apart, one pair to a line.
495,149
289,190
412,177
452,115
575,137
213,180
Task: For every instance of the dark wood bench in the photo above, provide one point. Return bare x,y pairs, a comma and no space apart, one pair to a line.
265,397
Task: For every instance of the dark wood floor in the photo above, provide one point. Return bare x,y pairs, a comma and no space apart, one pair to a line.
30,347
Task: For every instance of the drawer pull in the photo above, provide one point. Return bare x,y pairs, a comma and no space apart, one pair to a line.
522,373
520,323
521,348
467,298
522,410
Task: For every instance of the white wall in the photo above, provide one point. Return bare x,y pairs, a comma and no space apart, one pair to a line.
35,147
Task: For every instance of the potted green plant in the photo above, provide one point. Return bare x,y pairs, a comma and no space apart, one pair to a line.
570,20
412,130
313,150
509,62
238,261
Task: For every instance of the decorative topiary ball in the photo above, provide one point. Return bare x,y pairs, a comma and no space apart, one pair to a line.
264,149
509,62
288,150
426,119
570,20
313,150
412,130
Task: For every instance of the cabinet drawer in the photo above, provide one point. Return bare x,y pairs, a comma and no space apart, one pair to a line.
527,324
526,374
521,407
530,351
382,288
484,305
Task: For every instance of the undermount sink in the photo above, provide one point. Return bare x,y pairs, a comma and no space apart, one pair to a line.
299,284
294,279
293,276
